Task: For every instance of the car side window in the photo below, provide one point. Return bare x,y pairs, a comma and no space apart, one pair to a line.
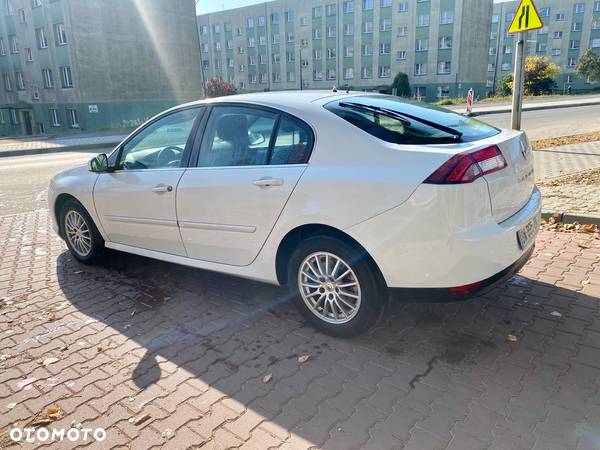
293,143
161,144
237,136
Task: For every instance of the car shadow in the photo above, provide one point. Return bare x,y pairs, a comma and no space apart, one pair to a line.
228,333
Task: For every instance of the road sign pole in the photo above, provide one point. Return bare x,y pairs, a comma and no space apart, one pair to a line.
517,101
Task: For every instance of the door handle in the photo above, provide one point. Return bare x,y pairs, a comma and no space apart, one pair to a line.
268,182
162,188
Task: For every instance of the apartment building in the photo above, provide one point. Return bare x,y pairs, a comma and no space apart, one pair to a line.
441,44
570,27
75,65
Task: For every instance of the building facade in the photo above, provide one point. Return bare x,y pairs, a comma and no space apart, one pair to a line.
570,28
285,44
84,65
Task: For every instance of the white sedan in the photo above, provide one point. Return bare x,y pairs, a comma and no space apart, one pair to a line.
343,197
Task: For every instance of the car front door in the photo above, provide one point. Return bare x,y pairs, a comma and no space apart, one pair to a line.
136,201
249,163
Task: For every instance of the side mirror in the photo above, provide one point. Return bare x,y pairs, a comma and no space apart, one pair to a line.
99,163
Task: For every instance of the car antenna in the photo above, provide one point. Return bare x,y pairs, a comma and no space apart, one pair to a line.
334,88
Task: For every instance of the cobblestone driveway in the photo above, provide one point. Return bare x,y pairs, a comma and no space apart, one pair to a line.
190,348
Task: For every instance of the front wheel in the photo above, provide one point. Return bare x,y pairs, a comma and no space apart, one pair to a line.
339,290
80,233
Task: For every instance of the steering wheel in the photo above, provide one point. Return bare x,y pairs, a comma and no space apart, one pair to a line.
169,156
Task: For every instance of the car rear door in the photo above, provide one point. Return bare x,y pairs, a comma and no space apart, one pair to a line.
136,202
250,160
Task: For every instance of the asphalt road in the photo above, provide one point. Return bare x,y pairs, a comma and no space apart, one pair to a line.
24,179
549,123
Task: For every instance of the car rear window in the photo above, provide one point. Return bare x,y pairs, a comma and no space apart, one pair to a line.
402,121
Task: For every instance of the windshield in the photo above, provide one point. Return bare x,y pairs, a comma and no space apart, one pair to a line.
402,121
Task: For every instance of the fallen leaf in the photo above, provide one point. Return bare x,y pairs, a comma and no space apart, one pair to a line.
64,348
49,361
141,419
583,245
555,314
11,405
99,349
53,413
267,378
4,357
52,317
167,433
511,338
585,282
303,358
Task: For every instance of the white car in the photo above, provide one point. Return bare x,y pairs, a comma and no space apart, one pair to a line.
345,197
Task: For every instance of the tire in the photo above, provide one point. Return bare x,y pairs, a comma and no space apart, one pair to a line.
87,245
362,303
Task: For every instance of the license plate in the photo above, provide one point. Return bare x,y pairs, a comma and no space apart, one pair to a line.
527,234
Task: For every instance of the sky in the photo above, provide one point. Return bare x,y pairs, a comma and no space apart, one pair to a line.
207,6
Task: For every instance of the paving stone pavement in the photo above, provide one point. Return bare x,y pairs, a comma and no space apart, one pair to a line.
8,146
190,348
566,159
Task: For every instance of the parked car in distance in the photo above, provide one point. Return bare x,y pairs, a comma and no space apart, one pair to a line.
344,197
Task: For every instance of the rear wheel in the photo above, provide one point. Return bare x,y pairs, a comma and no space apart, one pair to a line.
80,233
338,289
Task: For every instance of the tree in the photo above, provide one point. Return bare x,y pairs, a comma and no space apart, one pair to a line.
217,87
401,85
589,65
505,85
540,73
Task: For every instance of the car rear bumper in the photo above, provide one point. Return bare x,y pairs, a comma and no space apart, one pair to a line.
434,240
446,294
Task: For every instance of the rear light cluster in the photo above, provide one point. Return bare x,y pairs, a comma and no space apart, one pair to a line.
466,167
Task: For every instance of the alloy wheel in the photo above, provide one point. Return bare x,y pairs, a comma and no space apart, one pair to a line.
78,233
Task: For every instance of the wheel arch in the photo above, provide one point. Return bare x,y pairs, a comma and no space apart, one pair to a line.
58,205
291,240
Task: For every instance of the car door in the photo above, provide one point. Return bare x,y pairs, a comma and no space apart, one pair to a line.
249,163
136,201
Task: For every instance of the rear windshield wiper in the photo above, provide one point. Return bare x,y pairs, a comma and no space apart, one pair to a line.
402,117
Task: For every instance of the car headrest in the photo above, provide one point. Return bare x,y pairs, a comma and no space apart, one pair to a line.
232,127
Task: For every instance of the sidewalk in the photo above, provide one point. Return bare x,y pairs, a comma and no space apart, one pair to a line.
49,144
530,105
569,178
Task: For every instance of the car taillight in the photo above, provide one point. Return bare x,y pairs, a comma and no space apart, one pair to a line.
466,167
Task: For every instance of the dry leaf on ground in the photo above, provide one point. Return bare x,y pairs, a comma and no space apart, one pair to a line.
267,378
511,338
49,361
303,358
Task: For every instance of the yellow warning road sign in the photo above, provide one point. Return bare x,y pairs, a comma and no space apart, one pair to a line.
526,18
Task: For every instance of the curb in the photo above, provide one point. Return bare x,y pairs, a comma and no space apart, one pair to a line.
566,217
508,109
42,151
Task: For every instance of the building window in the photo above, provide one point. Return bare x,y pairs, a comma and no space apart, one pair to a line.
9,9
447,17
348,7
275,39
54,120
330,10
36,3
493,51
316,33
556,52
41,38
2,47
2,119
509,16
403,7
420,69
276,58
595,43
7,83
366,50
596,24
423,20
251,42
317,12
348,73
317,75
443,91
275,19
48,79
217,45
367,27
545,12
216,28
446,43
420,92
14,44
228,27
204,48
262,40
422,45
366,72
28,54
22,16
367,5
577,26
401,55
262,21
60,33
289,16
317,54
444,67
572,62
276,77
385,48
14,117
290,57
20,81
303,21
505,66
558,35
560,17
384,71
331,53
348,29
262,59
494,35
72,117
495,18
402,32
205,64
578,8
250,22
507,49
385,3
349,52
491,67
35,92
331,31
262,78
541,47
291,77
252,78
386,24
574,44
67,80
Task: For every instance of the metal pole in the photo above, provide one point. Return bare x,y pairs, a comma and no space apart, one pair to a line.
301,83
517,102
